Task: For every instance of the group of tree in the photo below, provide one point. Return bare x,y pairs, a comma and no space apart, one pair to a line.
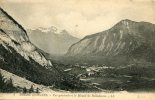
31,90
6,86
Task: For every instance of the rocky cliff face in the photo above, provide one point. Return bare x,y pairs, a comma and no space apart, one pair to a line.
14,30
19,56
126,38
13,34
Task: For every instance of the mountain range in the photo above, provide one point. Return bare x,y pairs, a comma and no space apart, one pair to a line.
124,42
52,40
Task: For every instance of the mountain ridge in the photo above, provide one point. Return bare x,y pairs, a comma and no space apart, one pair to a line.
52,42
124,38
20,26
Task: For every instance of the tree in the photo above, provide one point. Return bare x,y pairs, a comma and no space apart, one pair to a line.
37,91
24,90
1,82
31,89
6,86
9,86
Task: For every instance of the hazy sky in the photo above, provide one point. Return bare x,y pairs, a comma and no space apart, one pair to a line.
79,17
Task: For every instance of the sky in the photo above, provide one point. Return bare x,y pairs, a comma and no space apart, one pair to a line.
78,17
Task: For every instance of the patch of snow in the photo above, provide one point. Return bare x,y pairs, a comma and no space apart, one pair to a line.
68,69
85,79
96,84
102,44
111,46
114,34
121,34
130,42
118,46
49,63
96,41
123,44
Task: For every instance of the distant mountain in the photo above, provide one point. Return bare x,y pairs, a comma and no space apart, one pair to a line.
52,40
19,56
125,41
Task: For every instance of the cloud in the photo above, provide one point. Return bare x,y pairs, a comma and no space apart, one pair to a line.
79,17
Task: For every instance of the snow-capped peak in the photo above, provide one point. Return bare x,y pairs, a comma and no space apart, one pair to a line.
52,29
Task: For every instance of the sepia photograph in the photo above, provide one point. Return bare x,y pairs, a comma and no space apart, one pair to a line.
77,49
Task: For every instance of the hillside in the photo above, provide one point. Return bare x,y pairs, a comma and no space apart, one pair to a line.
125,41
22,83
